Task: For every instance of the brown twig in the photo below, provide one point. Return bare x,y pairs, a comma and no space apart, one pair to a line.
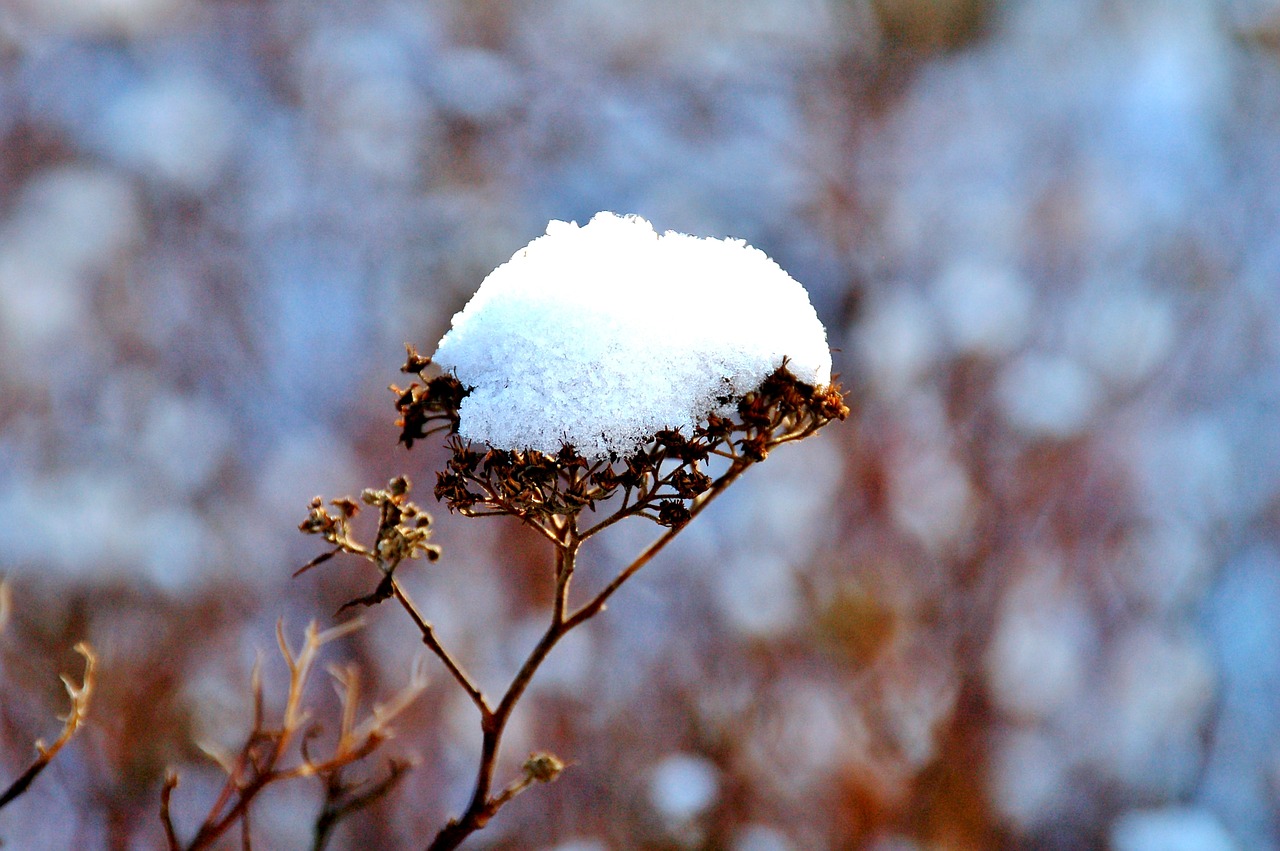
483,806
6,603
341,800
597,603
433,644
166,793
80,696
257,764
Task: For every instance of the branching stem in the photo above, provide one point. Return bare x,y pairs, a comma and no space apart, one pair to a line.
433,644
484,805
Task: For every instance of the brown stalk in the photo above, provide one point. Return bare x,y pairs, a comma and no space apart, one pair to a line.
662,481
484,805
80,696
258,763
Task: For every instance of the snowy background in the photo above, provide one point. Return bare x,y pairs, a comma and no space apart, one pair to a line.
1028,596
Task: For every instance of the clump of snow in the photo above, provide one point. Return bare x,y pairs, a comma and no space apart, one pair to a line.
599,336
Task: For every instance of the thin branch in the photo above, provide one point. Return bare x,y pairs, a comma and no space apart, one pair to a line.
433,644
166,819
80,696
482,806
342,801
622,513
597,603
256,765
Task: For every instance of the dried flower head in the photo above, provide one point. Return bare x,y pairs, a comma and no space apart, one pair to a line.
603,363
658,480
602,336
404,532
571,364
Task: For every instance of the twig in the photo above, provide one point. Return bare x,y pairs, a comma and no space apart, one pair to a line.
597,603
433,644
342,800
257,765
166,792
6,603
483,806
80,696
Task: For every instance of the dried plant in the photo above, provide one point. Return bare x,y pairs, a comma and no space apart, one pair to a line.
261,761
668,481
565,405
80,695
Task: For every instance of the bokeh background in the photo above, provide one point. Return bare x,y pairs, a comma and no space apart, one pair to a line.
1028,596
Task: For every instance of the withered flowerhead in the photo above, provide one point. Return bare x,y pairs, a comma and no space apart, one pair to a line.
659,480
608,359
607,335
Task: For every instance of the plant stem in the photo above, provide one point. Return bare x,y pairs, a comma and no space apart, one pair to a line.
483,806
597,603
433,644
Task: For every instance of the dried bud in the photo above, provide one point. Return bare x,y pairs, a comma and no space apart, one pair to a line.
673,513
347,506
831,404
716,427
319,521
415,362
543,767
605,479
690,484
754,448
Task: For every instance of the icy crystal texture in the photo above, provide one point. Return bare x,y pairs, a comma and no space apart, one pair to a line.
599,336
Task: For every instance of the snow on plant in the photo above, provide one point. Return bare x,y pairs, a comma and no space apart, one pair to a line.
599,337
604,372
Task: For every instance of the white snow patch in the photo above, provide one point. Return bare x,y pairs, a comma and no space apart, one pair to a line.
599,336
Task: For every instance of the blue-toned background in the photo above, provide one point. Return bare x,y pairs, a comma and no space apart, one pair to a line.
1028,596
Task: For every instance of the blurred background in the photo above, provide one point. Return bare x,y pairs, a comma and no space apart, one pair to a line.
1028,596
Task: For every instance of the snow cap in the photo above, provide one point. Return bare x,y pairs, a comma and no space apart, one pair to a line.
600,336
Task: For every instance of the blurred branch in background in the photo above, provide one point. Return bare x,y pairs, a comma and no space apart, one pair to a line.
79,696
258,763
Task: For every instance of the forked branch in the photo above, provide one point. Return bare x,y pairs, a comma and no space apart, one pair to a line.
80,696
258,764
